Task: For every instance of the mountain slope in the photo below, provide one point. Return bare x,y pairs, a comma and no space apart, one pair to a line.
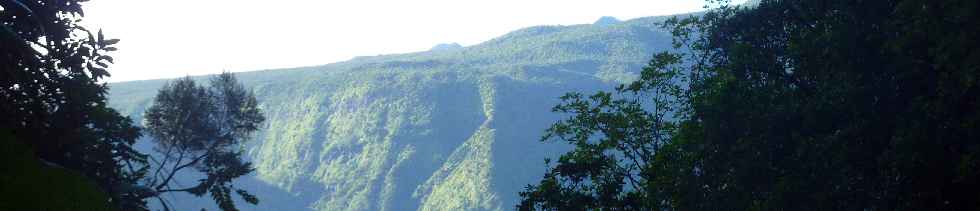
434,130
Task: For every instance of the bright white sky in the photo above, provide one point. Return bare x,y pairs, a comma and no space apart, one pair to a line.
173,38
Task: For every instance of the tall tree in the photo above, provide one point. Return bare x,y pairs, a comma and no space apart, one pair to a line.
201,128
827,105
52,97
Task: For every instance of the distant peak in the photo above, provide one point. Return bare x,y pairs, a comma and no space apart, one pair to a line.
446,46
606,20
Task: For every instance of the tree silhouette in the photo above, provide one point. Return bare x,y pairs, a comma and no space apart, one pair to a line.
201,128
785,105
52,97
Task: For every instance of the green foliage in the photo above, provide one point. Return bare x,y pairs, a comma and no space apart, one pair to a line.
52,100
202,128
617,137
434,130
790,105
29,184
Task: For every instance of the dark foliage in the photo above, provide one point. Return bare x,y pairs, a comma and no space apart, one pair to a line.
52,99
790,105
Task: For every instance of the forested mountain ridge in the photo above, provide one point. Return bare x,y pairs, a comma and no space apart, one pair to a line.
436,130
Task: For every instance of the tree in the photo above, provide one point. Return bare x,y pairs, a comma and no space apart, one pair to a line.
52,97
617,138
826,105
201,128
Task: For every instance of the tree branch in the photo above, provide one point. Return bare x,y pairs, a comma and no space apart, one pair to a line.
166,158
176,190
173,171
164,203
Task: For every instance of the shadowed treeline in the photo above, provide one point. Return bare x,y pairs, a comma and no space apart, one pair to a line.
784,105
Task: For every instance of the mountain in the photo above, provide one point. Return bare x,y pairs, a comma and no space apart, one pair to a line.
606,20
433,130
446,47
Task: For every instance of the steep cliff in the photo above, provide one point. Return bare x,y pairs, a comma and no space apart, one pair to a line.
434,130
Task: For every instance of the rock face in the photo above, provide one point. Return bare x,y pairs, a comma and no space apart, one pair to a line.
434,130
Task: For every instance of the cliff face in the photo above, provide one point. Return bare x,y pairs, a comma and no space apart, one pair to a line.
434,130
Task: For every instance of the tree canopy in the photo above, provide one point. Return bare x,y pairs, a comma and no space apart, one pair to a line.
53,106
52,97
201,128
802,105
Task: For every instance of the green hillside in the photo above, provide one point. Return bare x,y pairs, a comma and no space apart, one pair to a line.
452,129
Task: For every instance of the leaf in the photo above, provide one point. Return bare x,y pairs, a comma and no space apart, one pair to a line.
251,199
84,51
110,42
98,72
25,7
108,59
90,36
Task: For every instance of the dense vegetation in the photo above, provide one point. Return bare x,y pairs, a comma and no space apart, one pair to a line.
52,102
789,105
30,184
61,140
446,129
802,105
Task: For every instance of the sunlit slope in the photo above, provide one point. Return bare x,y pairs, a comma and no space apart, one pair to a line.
453,129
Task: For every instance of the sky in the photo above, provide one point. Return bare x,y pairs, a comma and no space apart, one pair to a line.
174,38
